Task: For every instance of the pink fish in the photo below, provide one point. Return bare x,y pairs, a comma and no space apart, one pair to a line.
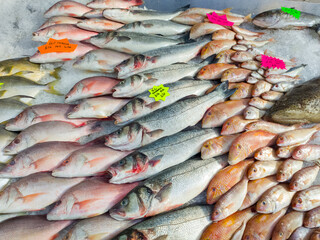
114,3
67,8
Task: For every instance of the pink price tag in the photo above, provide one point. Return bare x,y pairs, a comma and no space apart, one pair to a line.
220,20
272,62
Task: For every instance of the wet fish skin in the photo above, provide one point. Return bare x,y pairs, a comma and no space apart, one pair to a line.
315,235
189,19
260,103
214,71
235,75
234,125
261,169
216,46
306,152
242,56
312,218
301,233
287,169
307,199
5,138
271,127
296,136
283,86
10,108
114,3
271,96
304,178
67,8
204,28
98,25
59,20
266,154
261,87
225,56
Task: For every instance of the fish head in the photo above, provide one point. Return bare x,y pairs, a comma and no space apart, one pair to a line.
217,214
254,172
210,148
203,73
302,152
44,34
129,111
253,126
133,64
80,110
75,92
86,60
22,141
296,185
239,152
265,152
126,86
135,205
64,208
230,126
76,233
283,175
284,140
267,19
300,202
265,205
22,121
16,167
131,234
114,13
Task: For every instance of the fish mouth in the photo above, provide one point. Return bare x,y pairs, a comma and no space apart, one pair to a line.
110,174
118,214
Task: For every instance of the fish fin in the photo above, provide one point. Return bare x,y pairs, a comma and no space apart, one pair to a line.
7,70
31,197
154,161
184,8
239,232
95,161
123,39
21,73
18,97
227,10
164,192
51,89
45,118
248,18
38,162
54,236
155,133
153,105
223,87
56,73
2,92
86,203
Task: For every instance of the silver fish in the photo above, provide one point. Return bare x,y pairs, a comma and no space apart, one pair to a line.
10,108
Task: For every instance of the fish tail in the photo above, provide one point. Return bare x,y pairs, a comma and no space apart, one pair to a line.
223,87
227,10
184,8
51,88
248,18
56,73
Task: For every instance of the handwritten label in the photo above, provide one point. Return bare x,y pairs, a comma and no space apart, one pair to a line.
221,20
159,92
1,84
272,62
292,11
57,46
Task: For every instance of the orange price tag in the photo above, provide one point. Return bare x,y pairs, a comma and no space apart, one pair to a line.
53,45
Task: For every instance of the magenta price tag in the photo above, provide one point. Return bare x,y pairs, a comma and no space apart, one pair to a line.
221,20
272,62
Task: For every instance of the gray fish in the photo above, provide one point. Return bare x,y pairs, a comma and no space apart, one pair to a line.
10,108
169,189
301,104
187,223
161,27
166,121
301,233
143,105
160,155
279,19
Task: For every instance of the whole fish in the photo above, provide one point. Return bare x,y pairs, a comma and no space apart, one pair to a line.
236,124
143,105
255,43
275,199
301,233
217,146
67,8
287,169
42,157
81,49
260,103
312,218
204,28
243,90
286,152
239,30
247,143
162,154
271,96
205,11
91,87
160,57
242,56
270,127
307,152
94,13
10,108
102,227
256,189
88,161
225,56
166,121
98,107
89,198
133,15
223,34
98,25
216,46
307,199
131,42
253,113
167,190
43,113
214,71
304,178
31,227
296,136
34,192
187,223
276,78
59,20
261,87
219,113
161,27
189,19
283,87
261,169
5,138
239,47
261,226
235,75
266,154
114,3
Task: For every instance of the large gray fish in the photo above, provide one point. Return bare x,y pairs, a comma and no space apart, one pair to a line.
160,57
142,82
166,121
130,42
169,189
160,155
143,105
161,27
301,104
5,138
187,223
133,15
277,18
10,108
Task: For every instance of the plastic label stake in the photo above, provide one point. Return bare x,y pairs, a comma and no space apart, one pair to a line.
272,62
220,20
294,12
159,92
53,45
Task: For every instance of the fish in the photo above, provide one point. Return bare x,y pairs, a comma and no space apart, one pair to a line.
43,113
166,121
242,56
225,179
271,96
275,199
276,78
131,42
255,43
31,227
91,87
160,57
261,87
306,199
245,37
294,71
301,233
283,86
243,90
189,19
224,229
266,154
261,226
257,75
244,31
92,197
278,19
261,169
214,71
219,113
239,47
114,3
311,218
223,34
230,202
143,105
158,156
256,188
287,169
154,26
5,138
296,136
235,75
306,152
24,68
97,107
205,11
94,13
133,15
286,152
236,124
216,46
253,113
236,20
251,65
217,146
316,233
287,225
260,103
47,132
247,143
67,8
81,49
167,190
88,161
98,25
187,223
225,56
59,20
42,157
303,178
34,192
201,29
10,108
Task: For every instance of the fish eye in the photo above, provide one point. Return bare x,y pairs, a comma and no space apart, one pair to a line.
255,170
213,189
239,146
299,200
124,202
264,203
280,234
228,124
58,203
122,162
13,162
17,141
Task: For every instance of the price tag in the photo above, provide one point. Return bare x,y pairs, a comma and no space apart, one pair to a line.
220,20
294,12
159,92
57,46
272,62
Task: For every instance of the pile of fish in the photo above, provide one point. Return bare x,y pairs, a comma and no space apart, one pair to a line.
113,163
